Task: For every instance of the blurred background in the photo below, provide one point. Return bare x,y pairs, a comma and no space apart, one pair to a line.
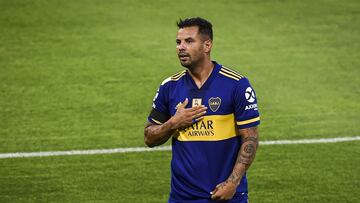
82,75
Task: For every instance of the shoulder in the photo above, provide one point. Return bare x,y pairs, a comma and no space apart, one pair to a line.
175,77
232,75
233,78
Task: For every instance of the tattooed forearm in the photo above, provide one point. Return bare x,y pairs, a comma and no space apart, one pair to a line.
235,177
155,135
248,146
251,137
246,153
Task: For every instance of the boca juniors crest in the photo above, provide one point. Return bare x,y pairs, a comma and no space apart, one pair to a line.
214,103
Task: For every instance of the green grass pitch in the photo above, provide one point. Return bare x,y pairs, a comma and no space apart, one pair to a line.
82,75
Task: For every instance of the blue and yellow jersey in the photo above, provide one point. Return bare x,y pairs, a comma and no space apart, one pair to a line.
204,154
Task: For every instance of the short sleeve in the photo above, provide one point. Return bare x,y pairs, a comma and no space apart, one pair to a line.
160,113
246,107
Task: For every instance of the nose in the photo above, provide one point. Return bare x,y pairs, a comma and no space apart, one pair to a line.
181,46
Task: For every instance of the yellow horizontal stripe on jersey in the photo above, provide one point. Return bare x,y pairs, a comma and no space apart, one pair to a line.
229,71
230,76
248,121
156,121
211,128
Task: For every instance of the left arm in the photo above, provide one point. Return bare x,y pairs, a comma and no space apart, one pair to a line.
246,155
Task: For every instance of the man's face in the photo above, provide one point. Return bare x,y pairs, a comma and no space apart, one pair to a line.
190,46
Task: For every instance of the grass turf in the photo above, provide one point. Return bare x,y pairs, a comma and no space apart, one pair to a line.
289,173
81,75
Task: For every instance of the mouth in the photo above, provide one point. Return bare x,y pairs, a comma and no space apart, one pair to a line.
183,56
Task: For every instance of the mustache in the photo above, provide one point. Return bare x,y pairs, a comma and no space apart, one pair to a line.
183,54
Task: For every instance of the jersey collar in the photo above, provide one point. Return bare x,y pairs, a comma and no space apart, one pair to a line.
208,82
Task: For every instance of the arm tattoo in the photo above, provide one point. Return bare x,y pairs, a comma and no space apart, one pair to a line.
157,134
248,146
234,177
246,154
249,149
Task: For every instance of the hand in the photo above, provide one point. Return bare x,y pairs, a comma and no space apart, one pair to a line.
224,191
185,117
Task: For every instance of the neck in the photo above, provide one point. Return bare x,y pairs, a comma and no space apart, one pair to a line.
201,72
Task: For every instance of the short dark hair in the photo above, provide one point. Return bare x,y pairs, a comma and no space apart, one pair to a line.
205,27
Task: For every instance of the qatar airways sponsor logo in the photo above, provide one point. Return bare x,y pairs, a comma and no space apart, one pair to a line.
201,128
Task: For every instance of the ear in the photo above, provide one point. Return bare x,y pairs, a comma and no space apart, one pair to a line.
207,45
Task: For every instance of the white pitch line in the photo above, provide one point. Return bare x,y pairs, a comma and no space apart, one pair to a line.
162,148
82,152
310,141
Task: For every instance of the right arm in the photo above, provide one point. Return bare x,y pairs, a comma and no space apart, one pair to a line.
155,135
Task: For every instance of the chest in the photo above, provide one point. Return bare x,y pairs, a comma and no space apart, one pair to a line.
217,98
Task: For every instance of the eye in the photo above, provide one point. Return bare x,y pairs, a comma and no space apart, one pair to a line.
189,41
178,42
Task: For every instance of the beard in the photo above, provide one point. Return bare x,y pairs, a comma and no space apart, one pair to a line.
187,61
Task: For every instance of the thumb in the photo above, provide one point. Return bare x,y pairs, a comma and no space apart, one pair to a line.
212,193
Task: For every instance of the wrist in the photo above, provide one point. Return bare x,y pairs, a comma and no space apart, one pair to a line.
172,124
235,179
233,182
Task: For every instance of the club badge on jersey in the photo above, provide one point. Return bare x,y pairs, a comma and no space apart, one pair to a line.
214,103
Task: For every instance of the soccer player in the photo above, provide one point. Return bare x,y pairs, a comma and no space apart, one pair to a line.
211,113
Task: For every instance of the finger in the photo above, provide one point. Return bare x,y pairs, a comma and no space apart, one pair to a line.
200,112
215,196
198,115
219,196
195,120
213,193
220,184
197,108
183,105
